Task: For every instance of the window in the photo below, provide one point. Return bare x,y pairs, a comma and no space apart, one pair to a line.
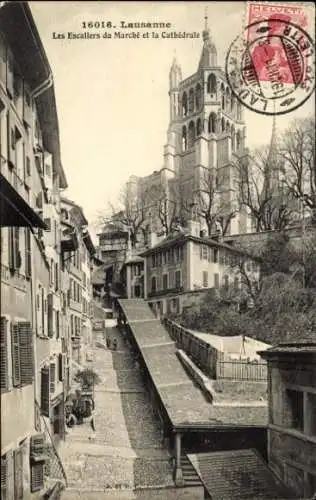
165,281
14,249
4,354
215,255
295,408
211,84
22,353
56,277
216,280
153,284
204,252
37,461
47,222
50,327
48,171
57,324
205,278
177,279
311,400
153,261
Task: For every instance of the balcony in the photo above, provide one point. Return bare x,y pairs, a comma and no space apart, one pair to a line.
167,291
69,241
75,306
16,205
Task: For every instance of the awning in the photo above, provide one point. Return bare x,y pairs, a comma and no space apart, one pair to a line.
14,210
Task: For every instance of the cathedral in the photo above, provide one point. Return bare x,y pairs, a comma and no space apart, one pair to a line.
205,138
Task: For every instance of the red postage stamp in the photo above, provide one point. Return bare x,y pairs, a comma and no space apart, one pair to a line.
271,65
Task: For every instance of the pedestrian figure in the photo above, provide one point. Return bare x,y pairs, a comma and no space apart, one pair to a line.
108,343
92,423
114,345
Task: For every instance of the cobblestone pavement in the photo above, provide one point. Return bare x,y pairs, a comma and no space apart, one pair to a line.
125,452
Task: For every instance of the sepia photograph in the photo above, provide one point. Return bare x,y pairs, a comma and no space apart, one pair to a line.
158,250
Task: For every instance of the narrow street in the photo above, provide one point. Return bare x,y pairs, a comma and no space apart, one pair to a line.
125,452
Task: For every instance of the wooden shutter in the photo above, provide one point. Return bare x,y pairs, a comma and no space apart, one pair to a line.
4,477
26,352
45,396
15,348
37,476
52,382
50,314
11,248
61,367
37,446
28,261
16,245
4,353
18,474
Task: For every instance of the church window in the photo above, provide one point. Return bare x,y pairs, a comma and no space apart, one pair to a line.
212,123
233,137
184,139
238,139
211,84
223,95
198,95
238,111
223,124
191,134
227,127
198,127
191,101
184,104
233,103
227,98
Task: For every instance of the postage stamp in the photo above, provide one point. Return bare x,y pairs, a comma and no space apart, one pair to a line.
270,67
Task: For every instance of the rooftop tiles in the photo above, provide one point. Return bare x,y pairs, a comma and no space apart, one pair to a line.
238,474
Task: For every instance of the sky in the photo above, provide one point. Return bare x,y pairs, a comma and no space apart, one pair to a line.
112,95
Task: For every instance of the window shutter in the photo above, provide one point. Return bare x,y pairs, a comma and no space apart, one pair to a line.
4,477
28,262
61,367
18,474
26,352
16,372
45,397
16,245
52,371
4,353
50,314
37,476
11,248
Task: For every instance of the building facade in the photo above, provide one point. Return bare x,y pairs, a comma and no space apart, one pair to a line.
77,260
179,269
292,415
31,177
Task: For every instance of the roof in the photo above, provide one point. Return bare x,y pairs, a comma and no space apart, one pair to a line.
238,475
98,277
88,242
183,238
135,259
238,344
76,208
31,57
307,347
183,400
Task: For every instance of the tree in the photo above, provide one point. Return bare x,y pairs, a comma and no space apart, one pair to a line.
260,191
166,205
297,151
87,377
212,201
132,213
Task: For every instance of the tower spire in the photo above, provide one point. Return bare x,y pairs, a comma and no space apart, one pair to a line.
206,31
